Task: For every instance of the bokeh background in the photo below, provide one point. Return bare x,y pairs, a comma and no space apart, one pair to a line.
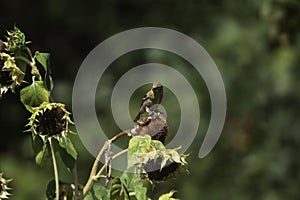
256,46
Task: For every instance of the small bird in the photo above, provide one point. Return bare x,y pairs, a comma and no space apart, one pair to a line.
152,98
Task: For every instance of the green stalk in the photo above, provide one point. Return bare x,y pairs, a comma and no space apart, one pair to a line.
55,170
93,177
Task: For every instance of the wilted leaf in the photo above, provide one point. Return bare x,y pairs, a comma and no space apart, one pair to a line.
67,144
34,95
67,152
44,59
43,155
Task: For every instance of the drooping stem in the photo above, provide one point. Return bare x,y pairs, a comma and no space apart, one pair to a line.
24,60
55,170
93,173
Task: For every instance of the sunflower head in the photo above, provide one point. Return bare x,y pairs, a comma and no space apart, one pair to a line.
4,194
50,120
10,75
155,125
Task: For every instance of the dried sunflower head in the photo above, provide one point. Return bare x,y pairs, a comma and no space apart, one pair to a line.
50,120
4,194
155,125
10,75
15,41
169,171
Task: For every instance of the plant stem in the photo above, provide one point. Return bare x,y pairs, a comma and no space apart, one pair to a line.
55,170
75,181
24,60
89,183
93,175
104,166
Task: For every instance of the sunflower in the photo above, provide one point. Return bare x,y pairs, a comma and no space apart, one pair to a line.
50,120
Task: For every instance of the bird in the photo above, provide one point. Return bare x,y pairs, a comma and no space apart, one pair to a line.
151,100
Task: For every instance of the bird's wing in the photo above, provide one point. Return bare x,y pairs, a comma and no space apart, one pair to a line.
148,96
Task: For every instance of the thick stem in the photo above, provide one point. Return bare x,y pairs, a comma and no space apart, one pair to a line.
93,175
55,170
89,183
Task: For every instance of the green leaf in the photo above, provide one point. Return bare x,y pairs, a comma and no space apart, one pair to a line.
67,159
67,144
118,191
37,143
101,192
89,196
139,144
50,192
140,192
34,95
133,182
43,155
67,152
44,60
167,196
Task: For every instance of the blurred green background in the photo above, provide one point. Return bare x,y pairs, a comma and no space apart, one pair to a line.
256,46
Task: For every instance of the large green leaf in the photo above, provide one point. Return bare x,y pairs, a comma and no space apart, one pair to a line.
44,60
138,145
67,144
43,155
34,95
37,143
67,159
133,182
67,152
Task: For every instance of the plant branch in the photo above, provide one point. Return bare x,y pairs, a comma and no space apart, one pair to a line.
91,179
88,185
55,170
25,60
99,174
